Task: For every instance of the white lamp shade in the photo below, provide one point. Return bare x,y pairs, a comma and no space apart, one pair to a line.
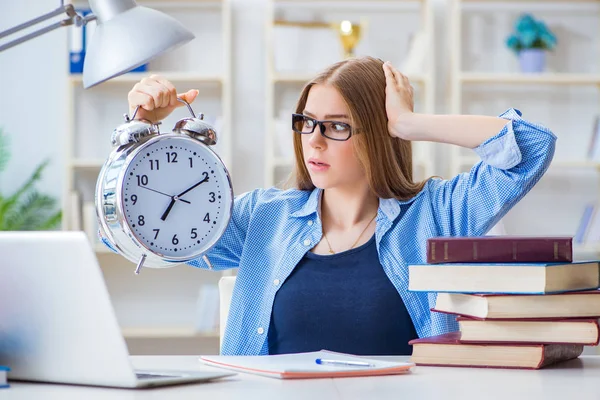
130,39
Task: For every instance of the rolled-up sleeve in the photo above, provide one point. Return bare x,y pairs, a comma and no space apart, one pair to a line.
227,251
512,162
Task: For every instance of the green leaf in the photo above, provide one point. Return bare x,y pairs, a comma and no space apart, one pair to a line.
11,202
26,209
4,152
34,213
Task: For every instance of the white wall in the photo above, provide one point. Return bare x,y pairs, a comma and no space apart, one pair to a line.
33,84
33,87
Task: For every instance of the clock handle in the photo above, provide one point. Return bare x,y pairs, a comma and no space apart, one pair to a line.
201,116
140,264
127,119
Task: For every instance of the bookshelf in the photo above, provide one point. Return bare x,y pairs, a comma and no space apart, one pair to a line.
484,78
468,74
386,29
159,308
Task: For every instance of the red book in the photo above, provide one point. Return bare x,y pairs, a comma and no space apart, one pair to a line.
447,350
548,331
501,249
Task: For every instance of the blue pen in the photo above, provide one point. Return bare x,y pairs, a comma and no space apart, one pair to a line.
322,361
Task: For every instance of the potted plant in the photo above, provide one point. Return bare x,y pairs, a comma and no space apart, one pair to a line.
26,209
530,41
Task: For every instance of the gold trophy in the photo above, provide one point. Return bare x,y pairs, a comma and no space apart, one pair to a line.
348,32
349,35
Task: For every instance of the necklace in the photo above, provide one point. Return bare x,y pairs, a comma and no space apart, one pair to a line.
357,239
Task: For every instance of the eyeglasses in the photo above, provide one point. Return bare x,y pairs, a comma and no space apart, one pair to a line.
333,130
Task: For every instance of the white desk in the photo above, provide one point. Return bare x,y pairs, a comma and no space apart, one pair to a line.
579,378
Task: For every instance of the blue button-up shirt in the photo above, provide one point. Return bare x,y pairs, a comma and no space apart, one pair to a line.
271,230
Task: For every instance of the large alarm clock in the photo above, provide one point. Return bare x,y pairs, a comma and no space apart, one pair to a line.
163,198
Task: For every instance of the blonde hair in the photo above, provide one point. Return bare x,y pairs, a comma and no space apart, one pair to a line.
387,161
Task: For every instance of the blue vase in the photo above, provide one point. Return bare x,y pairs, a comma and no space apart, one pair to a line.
532,60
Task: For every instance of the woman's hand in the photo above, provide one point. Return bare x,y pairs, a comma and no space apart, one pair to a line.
399,103
157,98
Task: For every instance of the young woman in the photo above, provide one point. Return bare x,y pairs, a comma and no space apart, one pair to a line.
324,265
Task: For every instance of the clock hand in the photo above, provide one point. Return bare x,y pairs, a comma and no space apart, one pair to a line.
194,186
164,194
178,197
168,210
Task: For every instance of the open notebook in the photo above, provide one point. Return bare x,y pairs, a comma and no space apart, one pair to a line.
304,365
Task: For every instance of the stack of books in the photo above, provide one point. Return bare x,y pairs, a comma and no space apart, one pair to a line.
520,302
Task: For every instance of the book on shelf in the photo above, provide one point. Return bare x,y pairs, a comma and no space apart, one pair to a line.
304,365
593,153
492,249
579,304
588,230
4,376
561,331
524,278
584,223
448,350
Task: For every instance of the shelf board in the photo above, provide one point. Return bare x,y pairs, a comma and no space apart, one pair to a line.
471,160
283,162
375,5
166,333
304,77
576,164
100,248
93,164
586,248
546,78
173,76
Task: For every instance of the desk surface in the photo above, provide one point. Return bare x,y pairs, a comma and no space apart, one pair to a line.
581,376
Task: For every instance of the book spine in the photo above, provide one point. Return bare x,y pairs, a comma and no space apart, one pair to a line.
553,354
443,250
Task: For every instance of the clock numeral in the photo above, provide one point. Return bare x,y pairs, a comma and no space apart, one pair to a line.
153,164
191,162
134,198
194,234
175,241
141,221
211,197
205,175
206,218
156,233
142,180
171,157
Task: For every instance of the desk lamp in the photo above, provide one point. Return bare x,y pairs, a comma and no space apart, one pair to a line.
126,36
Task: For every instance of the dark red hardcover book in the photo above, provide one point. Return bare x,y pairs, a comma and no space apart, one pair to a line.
502,249
447,350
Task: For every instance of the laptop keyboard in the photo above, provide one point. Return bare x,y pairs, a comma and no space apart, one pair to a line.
155,376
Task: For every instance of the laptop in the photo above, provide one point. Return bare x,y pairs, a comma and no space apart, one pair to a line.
57,323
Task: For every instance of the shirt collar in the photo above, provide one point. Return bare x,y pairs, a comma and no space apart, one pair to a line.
311,205
389,207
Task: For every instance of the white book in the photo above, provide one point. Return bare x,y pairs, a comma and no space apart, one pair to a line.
90,222
74,211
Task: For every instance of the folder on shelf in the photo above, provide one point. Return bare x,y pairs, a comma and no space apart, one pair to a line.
304,365
3,377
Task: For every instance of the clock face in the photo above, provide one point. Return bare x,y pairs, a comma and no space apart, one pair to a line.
176,197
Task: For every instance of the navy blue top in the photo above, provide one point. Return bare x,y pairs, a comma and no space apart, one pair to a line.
341,302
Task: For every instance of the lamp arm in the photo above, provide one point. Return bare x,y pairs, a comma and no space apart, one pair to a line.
72,19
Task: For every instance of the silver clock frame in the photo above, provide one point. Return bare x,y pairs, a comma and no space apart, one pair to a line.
110,204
